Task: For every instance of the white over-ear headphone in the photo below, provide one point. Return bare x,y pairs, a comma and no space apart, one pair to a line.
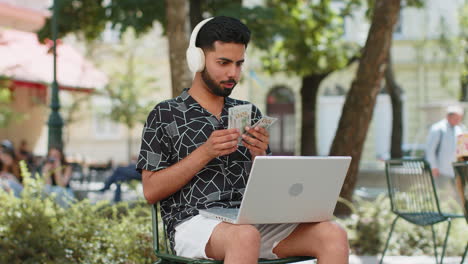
195,55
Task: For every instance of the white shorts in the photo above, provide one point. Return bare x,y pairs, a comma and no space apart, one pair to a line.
192,236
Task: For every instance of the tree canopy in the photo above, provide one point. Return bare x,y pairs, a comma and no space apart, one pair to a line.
6,113
89,18
308,40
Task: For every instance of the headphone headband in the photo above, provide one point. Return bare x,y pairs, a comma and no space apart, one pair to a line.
195,55
193,36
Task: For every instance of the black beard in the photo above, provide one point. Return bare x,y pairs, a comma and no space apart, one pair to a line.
214,88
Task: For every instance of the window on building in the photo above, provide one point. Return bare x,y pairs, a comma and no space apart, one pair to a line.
104,127
280,104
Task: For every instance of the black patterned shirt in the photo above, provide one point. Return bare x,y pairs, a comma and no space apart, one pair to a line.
173,130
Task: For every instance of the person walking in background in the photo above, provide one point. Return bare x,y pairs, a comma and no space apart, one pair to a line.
57,174
441,148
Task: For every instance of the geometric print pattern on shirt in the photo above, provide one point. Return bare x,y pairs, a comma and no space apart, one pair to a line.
173,130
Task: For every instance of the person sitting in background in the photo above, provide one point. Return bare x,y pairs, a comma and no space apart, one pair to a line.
25,154
121,174
57,174
9,169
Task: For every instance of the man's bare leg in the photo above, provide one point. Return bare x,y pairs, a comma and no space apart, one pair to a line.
234,243
326,241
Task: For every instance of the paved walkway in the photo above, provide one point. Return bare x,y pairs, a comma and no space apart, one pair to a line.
396,260
402,260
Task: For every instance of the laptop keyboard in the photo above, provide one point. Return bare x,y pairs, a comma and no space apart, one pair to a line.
225,212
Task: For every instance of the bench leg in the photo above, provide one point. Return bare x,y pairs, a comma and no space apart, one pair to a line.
388,239
464,254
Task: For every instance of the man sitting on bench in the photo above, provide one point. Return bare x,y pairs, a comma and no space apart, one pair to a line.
190,161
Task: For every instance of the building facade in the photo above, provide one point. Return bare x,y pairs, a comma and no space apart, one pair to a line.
428,73
427,62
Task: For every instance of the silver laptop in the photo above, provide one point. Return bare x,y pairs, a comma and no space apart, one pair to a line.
288,189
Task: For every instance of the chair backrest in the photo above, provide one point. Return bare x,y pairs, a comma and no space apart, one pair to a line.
411,187
461,172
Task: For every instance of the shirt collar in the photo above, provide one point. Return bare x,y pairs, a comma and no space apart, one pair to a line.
191,102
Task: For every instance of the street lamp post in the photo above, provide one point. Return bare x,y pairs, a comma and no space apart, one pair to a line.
55,121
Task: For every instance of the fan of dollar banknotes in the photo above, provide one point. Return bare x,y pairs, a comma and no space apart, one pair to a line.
240,117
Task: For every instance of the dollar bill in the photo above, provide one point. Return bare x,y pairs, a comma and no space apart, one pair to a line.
265,122
240,117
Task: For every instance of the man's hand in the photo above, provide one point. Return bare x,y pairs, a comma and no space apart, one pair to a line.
221,142
256,140
435,172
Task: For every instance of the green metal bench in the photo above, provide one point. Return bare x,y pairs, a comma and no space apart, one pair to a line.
413,197
164,253
461,173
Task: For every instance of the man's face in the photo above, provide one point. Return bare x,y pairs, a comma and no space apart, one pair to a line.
454,119
223,66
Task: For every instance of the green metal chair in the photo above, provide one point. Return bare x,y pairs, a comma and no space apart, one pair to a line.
165,254
413,197
461,173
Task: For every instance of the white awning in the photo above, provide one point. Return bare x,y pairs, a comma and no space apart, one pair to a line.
17,16
23,57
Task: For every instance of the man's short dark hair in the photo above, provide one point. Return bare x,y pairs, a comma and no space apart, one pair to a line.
225,29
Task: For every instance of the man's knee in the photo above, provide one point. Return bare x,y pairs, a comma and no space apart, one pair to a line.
246,235
233,239
334,237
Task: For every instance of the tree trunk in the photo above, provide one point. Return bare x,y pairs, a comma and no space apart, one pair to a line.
195,13
394,91
464,86
309,91
360,101
129,144
177,34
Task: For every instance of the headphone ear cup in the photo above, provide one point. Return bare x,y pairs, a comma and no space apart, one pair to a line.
194,54
195,59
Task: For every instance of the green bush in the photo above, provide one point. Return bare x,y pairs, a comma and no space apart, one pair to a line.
369,226
34,229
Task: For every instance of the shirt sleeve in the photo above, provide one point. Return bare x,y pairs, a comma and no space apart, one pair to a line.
432,143
155,151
